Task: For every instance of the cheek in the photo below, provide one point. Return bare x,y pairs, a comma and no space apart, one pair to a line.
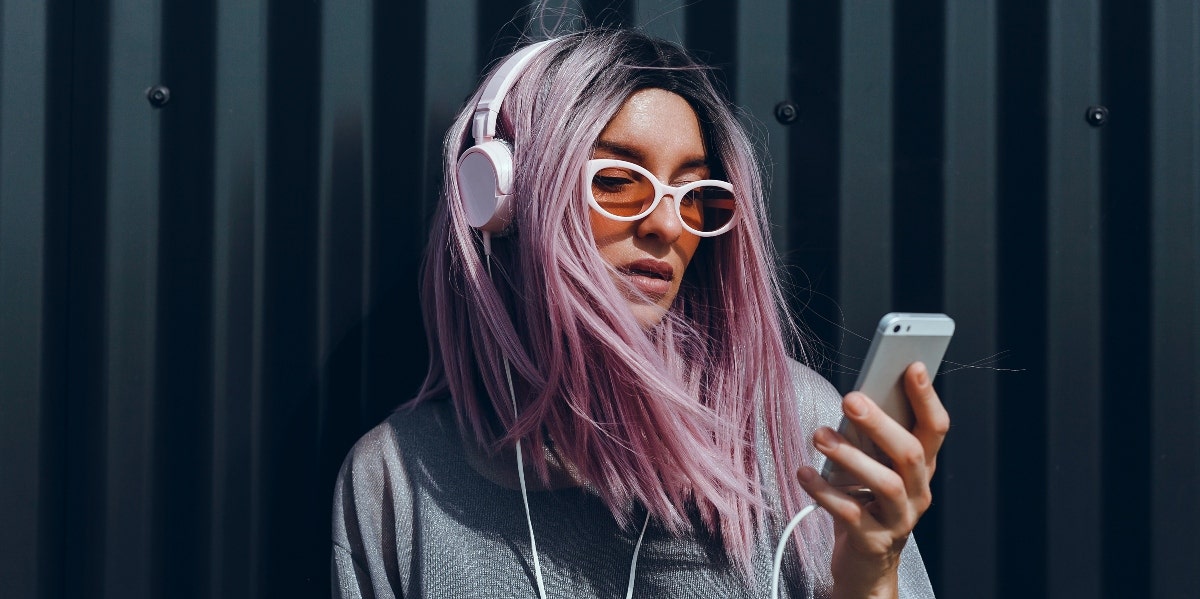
686,247
606,231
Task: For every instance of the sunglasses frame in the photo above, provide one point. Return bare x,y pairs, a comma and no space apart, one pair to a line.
661,189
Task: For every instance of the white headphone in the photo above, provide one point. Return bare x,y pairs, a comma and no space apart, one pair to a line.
485,170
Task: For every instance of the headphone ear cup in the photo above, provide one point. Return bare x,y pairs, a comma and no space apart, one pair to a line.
485,180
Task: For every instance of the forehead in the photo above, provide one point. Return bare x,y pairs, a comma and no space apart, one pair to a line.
652,124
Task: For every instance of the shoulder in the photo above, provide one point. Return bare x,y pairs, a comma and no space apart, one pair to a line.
818,400
809,384
375,494
379,460
809,380
376,475
372,474
374,456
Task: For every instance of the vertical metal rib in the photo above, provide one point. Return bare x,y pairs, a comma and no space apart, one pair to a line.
865,227
969,492
1174,391
1073,310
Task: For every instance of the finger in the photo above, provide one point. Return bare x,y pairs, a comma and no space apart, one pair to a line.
890,488
839,505
908,477
932,421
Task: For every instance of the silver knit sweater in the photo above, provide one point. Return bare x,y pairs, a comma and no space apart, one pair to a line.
418,513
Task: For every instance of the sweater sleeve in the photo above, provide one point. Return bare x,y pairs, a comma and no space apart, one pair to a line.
372,520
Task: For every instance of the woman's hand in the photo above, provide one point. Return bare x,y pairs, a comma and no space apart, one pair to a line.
870,535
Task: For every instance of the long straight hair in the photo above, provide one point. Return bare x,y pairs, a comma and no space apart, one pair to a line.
669,418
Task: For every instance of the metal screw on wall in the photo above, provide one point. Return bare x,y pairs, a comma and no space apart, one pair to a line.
1096,116
158,96
786,112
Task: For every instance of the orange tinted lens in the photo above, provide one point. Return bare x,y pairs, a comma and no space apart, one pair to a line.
707,208
622,191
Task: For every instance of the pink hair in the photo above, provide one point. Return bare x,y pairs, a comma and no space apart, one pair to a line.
669,419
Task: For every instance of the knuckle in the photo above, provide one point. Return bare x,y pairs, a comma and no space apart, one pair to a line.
912,455
940,422
923,499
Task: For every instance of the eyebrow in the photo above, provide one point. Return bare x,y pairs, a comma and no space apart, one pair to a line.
637,156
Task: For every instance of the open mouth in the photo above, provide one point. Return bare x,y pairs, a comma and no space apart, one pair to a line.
654,269
651,277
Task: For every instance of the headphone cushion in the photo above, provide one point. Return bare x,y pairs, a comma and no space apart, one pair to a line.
485,179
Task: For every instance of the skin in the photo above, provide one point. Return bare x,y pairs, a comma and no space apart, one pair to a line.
870,536
659,130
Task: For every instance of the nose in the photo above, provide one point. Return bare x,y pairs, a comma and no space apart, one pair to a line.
662,223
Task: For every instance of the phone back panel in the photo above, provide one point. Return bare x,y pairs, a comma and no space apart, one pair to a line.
900,339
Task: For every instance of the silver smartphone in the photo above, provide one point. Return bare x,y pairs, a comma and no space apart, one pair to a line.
900,339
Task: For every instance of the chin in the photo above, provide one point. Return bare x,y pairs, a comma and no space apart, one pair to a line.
647,315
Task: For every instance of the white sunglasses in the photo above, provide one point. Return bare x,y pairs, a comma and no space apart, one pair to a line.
624,191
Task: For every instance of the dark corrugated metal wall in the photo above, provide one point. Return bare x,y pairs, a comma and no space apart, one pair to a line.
203,304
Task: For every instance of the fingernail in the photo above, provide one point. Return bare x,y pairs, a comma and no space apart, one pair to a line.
855,405
824,439
806,474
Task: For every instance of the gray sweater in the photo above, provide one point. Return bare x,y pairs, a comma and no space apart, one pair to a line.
418,513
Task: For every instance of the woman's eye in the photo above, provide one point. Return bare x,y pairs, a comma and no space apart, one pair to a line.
692,197
611,183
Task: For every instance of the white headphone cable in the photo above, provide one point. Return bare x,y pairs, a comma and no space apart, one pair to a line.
787,533
512,394
537,565
633,564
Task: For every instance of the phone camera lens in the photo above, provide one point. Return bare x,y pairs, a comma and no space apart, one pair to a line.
896,329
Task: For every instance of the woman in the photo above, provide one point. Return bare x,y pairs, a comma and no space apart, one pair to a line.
611,405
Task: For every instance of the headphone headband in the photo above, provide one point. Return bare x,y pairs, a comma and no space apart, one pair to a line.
487,109
485,170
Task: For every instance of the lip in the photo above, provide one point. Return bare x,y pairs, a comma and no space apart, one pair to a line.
651,277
